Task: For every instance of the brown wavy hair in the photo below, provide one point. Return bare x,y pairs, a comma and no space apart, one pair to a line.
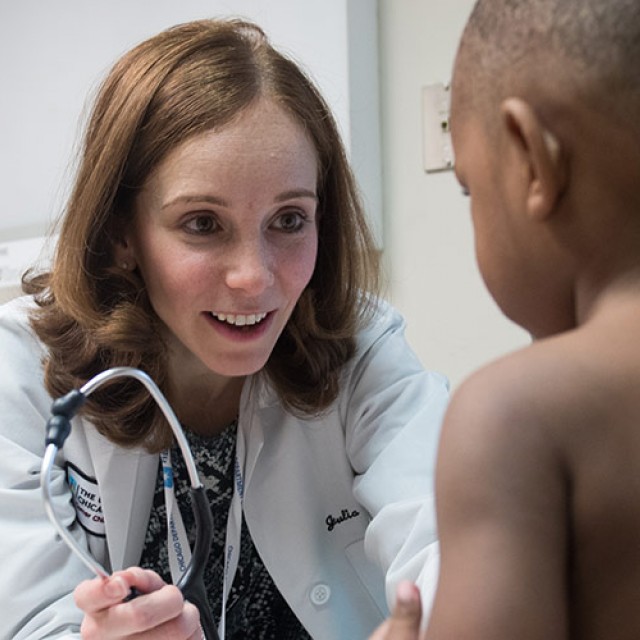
92,315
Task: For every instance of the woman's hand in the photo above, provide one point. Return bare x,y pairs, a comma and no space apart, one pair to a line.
404,623
159,612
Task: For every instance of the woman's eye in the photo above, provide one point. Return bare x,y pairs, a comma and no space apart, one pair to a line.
201,225
290,221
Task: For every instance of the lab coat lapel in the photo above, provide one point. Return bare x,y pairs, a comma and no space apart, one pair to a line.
254,399
126,478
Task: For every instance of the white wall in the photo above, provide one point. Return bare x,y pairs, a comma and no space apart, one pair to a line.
452,322
54,53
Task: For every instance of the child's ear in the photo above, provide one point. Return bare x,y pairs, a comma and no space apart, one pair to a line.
542,153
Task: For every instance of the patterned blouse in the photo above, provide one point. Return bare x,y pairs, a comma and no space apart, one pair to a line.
255,607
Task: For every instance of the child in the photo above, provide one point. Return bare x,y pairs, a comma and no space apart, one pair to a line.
538,481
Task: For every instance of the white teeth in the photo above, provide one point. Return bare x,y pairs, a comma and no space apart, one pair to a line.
240,320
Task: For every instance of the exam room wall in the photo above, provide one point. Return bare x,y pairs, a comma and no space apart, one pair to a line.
453,323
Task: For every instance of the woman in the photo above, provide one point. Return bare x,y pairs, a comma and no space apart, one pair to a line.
215,239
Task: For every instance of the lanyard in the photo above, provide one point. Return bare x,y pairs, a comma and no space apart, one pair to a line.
177,542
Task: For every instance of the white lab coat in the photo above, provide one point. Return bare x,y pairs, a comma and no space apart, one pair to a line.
371,454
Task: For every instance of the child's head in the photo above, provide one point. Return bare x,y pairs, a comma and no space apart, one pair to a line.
545,99
544,48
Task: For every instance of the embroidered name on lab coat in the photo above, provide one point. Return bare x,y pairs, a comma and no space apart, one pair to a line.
345,514
86,501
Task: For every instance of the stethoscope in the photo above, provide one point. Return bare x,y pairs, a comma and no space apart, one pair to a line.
191,583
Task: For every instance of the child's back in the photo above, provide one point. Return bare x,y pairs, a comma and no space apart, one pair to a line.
602,445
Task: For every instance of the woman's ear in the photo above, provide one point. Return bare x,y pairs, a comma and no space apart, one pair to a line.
123,255
542,153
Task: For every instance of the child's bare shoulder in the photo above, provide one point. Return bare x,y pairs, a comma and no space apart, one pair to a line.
522,407
522,386
547,383
499,459
549,399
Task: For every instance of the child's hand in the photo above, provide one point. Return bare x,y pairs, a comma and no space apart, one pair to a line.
404,623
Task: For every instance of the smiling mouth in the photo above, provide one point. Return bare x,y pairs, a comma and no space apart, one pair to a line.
239,320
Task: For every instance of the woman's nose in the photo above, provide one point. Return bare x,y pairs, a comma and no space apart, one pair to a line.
250,269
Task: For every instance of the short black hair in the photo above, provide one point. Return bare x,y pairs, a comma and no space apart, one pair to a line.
591,46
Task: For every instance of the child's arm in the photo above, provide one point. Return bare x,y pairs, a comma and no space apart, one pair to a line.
502,512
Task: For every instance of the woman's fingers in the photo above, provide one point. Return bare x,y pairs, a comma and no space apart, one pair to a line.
94,595
158,612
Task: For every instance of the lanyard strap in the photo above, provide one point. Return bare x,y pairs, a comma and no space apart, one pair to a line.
177,541
234,527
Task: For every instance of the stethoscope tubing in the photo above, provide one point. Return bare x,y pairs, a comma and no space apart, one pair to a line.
45,482
110,374
58,428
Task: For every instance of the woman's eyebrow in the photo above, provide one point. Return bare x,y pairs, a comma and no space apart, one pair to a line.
296,193
221,202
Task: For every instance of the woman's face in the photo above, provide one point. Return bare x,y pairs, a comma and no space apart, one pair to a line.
225,239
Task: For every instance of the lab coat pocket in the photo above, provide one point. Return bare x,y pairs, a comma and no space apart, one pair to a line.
370,575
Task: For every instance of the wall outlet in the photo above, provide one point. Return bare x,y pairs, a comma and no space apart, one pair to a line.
437,148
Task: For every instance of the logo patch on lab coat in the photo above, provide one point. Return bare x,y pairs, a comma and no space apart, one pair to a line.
86,500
